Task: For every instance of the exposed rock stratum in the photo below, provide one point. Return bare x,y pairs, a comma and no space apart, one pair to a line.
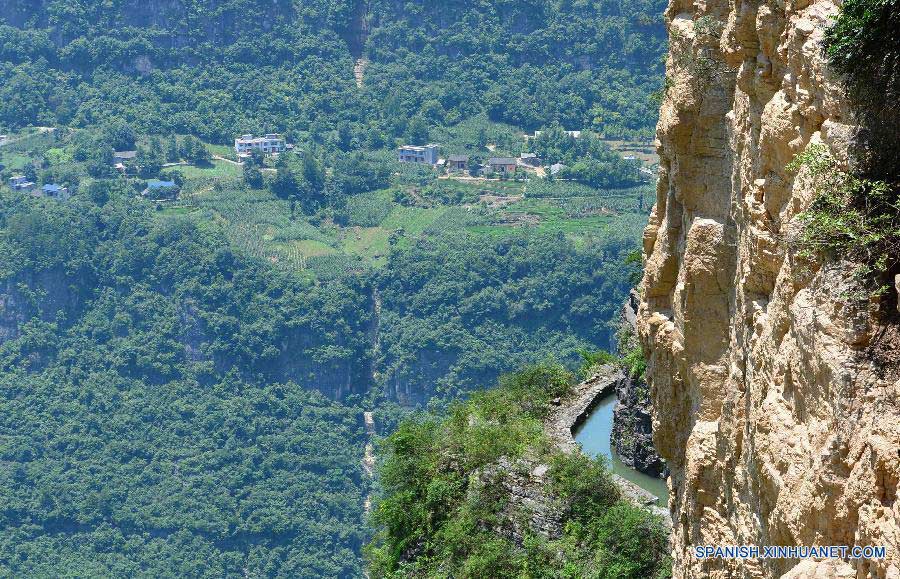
778,424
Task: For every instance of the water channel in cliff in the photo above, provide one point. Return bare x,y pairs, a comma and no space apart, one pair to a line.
594,437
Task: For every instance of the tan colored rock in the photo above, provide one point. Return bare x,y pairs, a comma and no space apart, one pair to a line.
778,425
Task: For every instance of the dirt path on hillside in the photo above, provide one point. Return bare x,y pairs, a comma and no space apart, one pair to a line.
359,71
221,158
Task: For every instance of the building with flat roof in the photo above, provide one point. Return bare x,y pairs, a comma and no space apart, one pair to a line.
502,164
271,143
573,134
20,183
413,154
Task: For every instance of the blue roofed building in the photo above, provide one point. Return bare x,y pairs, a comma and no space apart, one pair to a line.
55,191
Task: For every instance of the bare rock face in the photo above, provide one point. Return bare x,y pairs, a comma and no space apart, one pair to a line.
778,424
529,506
632,430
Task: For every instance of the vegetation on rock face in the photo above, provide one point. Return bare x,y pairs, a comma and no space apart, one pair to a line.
436,518
856,214
850,218
864,45
457,311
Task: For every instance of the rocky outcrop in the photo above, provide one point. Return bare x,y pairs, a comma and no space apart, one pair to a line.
523,484
528,506
632,431
779,425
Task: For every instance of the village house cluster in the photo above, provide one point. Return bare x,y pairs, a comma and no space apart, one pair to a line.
52,190
428,155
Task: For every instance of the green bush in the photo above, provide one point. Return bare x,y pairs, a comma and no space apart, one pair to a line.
634,362
591,360
850,218
864,45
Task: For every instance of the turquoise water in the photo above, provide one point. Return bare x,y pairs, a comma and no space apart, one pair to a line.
593,436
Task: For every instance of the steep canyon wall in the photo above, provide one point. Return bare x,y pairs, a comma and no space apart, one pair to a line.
779,424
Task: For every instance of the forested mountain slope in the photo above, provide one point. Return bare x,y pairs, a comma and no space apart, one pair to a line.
183,376
148,423
217,69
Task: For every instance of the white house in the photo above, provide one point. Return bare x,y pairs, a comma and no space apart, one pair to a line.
20,183
271,143
412,154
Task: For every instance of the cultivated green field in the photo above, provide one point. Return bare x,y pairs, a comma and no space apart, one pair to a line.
218,169
373,223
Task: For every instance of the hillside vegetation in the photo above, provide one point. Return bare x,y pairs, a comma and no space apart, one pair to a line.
156,414
160,359
185,369
446,509
217,69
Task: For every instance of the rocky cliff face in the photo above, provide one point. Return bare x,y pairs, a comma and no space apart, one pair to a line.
632,431
774,406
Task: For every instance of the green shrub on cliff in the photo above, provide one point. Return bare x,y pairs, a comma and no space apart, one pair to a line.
444,512
864,45
634,362
849,218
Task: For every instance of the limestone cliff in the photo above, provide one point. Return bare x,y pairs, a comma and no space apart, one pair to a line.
775,406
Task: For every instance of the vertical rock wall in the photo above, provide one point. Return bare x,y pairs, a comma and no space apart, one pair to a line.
779,424
632,430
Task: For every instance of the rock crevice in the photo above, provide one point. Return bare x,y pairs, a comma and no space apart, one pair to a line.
632,432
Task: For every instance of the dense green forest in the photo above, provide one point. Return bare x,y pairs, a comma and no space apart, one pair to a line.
458,311
447,510
156,353
218,69
157,411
